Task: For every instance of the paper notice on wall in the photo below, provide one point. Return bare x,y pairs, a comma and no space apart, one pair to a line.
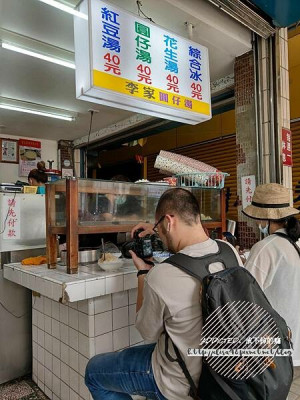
248,187
9,150
29,155
67,172
10,217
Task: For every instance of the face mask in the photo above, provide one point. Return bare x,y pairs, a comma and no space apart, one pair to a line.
265,230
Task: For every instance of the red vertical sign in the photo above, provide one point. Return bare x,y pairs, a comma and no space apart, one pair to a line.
287,147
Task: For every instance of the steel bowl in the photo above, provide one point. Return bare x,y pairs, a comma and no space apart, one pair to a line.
85,256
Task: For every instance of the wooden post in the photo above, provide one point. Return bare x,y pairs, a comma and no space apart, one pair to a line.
145,168
72,225
51,250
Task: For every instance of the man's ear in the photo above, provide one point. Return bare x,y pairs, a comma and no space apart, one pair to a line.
168,220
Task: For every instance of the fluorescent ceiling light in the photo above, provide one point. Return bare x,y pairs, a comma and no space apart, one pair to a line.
62,7
42,113
41,56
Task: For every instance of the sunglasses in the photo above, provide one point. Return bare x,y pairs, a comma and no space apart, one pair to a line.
158,222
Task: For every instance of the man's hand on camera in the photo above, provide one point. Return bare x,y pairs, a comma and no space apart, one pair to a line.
138,262
147,229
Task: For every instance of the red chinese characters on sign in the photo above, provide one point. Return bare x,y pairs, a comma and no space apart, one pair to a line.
144,74
286,150
112,64
248,187
30,143
11,233
11,219
196,91
11,203
172,84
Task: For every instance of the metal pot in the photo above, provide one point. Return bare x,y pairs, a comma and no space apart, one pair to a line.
85,256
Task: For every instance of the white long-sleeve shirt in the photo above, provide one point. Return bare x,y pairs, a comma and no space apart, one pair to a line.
275,264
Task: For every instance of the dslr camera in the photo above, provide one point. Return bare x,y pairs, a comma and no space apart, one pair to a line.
142,246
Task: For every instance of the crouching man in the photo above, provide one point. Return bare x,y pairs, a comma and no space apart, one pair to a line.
168,300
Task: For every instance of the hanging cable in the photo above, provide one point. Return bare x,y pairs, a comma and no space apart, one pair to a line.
6,218
14,315
139,6
90,129
88,141
11,313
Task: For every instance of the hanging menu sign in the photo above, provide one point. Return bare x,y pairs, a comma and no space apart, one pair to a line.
127,62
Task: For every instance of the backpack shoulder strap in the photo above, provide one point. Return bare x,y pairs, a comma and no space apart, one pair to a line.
198,267
193,388
283,235
180,361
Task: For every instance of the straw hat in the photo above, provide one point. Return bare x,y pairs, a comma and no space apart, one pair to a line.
270,201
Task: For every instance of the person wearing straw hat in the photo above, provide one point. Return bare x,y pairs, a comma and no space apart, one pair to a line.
275,260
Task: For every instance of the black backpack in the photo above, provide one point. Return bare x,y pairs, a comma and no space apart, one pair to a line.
233,284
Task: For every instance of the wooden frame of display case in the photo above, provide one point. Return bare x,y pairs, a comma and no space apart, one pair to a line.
73,228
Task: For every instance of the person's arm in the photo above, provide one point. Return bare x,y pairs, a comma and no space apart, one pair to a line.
150,317
140,298
140,265
149,307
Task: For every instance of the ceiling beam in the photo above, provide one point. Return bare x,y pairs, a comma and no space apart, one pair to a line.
242,13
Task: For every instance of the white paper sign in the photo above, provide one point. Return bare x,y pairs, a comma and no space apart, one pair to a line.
10,217
67,172
248,187
130,63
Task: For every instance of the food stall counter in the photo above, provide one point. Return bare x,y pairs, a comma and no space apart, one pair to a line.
75,317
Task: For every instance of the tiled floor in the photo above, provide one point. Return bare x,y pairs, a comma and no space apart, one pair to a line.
21,389
295,389
26,389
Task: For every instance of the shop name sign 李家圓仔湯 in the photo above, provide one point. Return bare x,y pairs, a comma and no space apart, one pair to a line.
127,62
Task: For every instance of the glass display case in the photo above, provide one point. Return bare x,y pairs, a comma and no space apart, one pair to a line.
86,206
212,208
208,188
105,202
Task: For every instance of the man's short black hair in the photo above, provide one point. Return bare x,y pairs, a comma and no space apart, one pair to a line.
180,202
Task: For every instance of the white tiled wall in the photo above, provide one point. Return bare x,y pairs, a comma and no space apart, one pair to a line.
65,337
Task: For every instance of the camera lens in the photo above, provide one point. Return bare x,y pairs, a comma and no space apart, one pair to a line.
126,247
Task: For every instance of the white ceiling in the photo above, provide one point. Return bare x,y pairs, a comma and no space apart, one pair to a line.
32,80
